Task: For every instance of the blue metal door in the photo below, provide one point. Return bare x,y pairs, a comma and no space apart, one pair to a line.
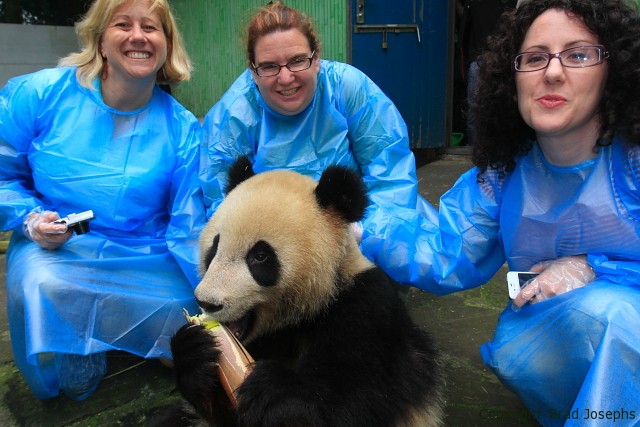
403,46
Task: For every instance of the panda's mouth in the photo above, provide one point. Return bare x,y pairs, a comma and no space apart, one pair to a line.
242,327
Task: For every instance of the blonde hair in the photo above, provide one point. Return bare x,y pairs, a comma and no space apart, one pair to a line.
92,26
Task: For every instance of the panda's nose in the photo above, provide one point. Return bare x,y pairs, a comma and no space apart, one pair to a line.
209,307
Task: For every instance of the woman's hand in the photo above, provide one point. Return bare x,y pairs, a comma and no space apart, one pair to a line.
556,277
40,228
357,230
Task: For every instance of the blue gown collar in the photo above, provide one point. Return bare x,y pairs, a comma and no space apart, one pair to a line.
95,95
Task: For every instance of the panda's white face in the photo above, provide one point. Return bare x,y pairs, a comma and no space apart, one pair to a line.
270,256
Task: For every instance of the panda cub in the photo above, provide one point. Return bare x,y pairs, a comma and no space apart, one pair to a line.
333,343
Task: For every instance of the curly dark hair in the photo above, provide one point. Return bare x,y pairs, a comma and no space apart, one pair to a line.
501,134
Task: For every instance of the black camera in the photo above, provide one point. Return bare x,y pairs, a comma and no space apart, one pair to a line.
79,222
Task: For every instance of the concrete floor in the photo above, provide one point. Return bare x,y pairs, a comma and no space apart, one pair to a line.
138,392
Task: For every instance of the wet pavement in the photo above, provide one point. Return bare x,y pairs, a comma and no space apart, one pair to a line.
138,392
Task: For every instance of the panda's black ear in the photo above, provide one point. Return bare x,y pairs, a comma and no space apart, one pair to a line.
342,189
240,170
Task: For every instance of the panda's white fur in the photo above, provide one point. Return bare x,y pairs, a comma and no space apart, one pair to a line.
333,343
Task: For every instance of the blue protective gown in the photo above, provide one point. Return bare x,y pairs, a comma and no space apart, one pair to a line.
124,284
575,356
349,122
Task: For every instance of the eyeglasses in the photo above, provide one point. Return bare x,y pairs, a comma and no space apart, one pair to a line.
574,57
298,64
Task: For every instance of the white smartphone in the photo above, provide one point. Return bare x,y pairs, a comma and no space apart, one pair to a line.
516,280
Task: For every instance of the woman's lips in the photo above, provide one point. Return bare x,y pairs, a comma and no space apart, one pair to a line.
551,101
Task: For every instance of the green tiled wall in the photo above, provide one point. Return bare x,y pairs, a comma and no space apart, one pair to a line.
214,35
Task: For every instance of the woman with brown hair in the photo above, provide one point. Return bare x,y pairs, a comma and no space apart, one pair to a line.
291,109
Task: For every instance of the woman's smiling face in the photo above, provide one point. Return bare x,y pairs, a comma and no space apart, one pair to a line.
288,92
134,44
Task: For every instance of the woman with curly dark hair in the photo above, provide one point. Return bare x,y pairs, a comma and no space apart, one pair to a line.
556,191
502,133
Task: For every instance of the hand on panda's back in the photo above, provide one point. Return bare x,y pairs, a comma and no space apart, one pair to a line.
195,358
357,230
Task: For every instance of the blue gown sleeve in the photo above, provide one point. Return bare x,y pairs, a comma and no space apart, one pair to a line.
19,103
228,129
397,213
187,216
455,248
379,140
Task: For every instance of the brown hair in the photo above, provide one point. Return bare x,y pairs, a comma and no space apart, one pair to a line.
90,28
275,16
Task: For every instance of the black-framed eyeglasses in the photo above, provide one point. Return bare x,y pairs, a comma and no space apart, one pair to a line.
574,57
295,65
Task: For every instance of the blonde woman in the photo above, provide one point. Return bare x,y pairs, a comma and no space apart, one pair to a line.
98,134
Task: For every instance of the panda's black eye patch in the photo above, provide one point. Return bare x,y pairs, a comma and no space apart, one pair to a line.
211,253
263,264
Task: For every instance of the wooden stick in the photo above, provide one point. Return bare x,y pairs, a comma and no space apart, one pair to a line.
235,362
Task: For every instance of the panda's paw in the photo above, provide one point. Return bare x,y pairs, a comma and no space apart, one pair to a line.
195,359
192,346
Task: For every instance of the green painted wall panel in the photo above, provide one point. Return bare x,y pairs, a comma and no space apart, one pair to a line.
213,31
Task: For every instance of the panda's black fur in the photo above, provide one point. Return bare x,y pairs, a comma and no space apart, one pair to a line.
333,343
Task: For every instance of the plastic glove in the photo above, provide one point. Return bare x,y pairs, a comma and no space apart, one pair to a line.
556,277
356,230
39,227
